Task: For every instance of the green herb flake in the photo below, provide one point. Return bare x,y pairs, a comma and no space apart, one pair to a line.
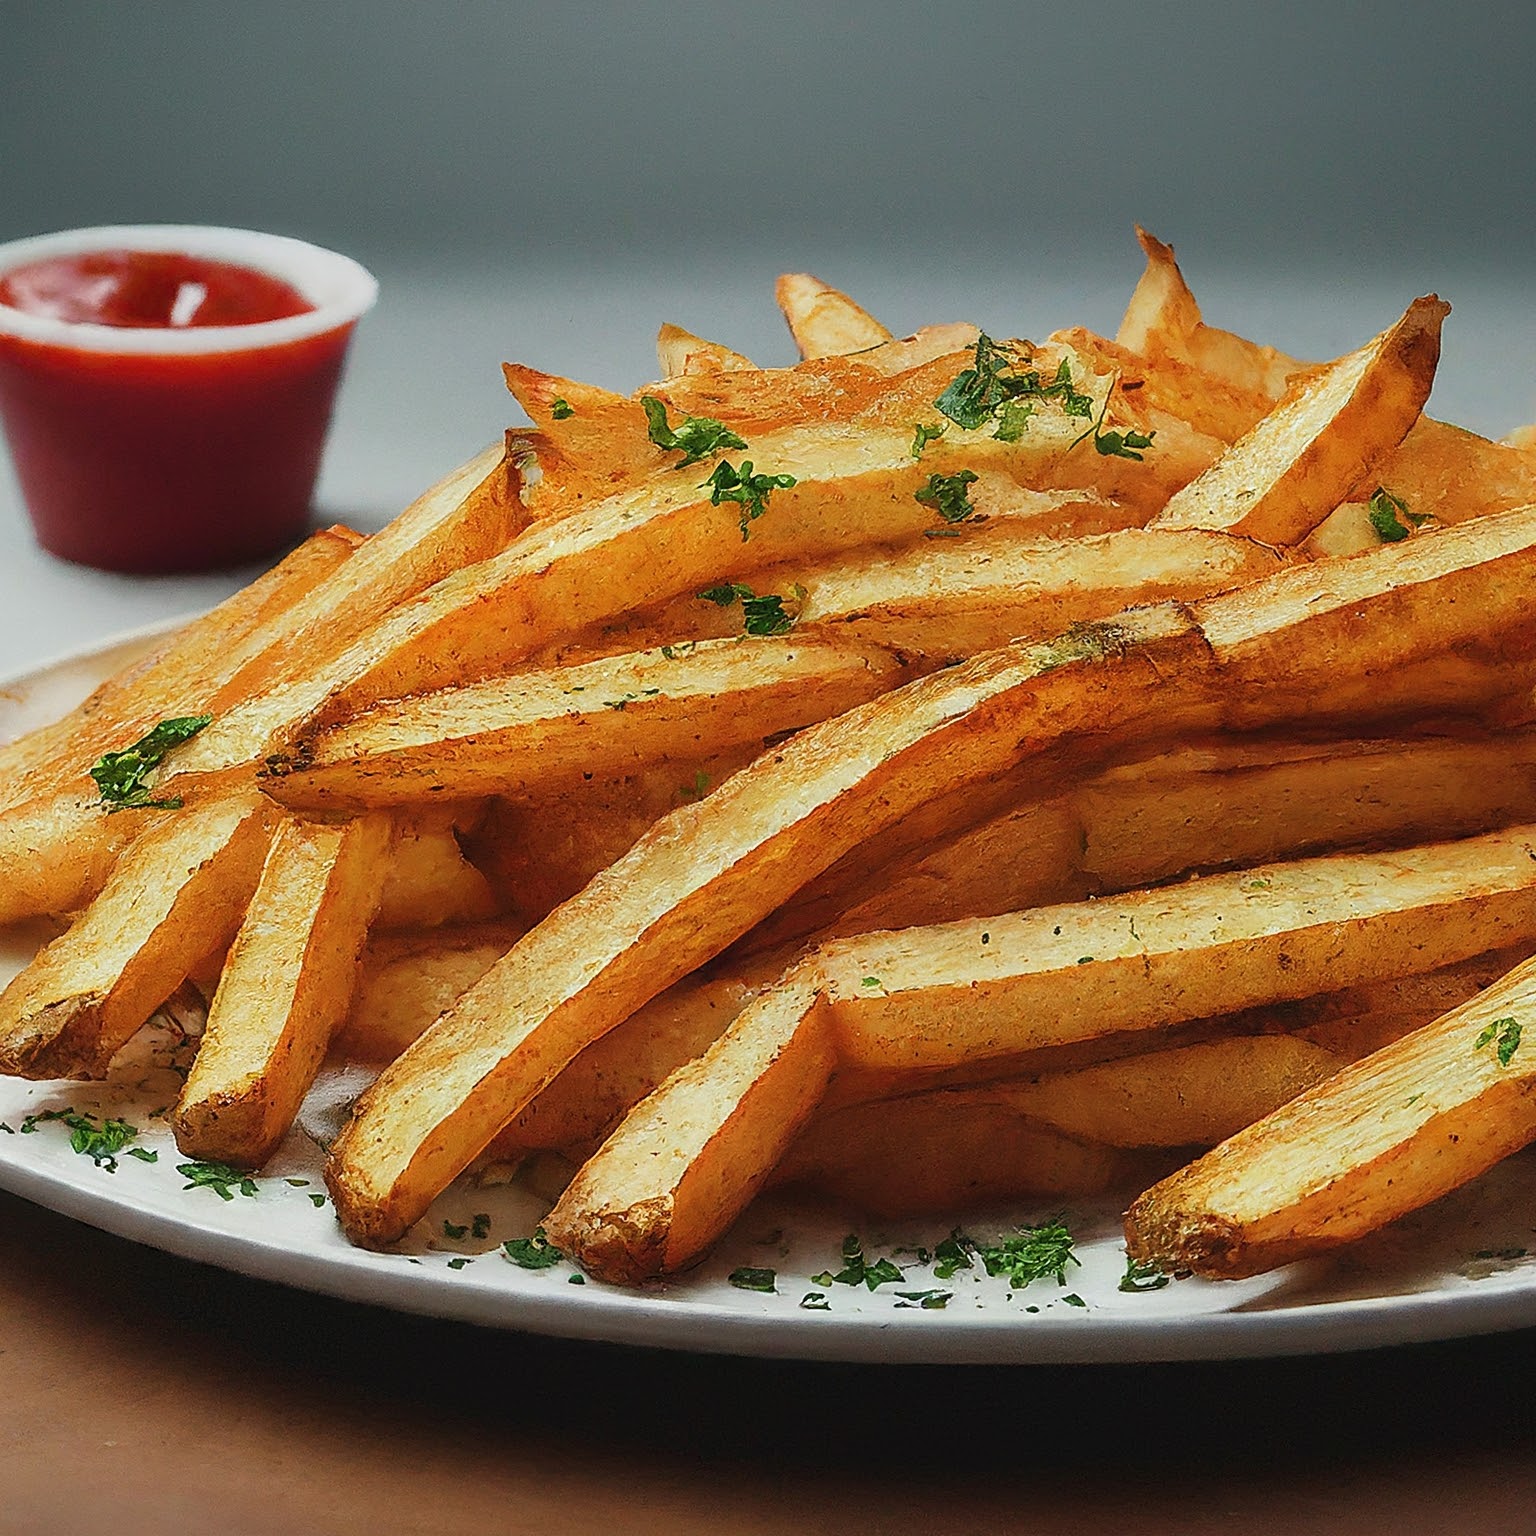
1072,1299
1031,1254
748,490
953,1254
121,777
815,1301
100,1140
975,392
457,1263
1504,1036
454,1231
480,1225
871,981
317,1201
1013,420
946,494
723,595
297,1183
748,1278
925,434
223,1180
765,615
1390,516
143,1154
857,1270
1140,1277
561,409
929,1301
536,1252
697,437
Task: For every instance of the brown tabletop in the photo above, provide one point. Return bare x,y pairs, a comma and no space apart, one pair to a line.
140,1392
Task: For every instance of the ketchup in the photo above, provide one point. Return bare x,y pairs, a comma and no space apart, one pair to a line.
136,289
178,458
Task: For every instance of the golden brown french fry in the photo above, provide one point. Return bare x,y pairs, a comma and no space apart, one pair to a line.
1439,474
680,352
57,852
1174,386
428,881
1163,320
917,1156
824,321
287,985
688,1159
176,893
184,674
996,986
536,729
408,977
1384,1137
1281,480
1296,645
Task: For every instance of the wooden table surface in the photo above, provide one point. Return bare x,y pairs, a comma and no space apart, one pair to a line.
144,1393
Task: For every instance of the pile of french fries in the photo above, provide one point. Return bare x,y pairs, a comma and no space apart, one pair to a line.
945,770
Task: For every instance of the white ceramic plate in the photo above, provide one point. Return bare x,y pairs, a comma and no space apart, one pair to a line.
1459,1268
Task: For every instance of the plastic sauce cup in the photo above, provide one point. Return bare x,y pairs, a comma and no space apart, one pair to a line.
148,447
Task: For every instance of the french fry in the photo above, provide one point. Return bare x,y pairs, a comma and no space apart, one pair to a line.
606,717
691,1156
823,321
917,1156
1281,480
428,882
175,895
1384,1137
680,352
286,986
184,672
1163,320
408,977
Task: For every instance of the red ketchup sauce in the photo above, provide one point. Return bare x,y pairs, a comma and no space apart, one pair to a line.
162,460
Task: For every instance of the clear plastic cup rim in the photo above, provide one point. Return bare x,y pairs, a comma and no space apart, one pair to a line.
341,289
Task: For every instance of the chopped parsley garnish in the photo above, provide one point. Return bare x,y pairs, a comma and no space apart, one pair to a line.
457,1263
761,613
815,1301
946,494
143,1154
223,1180
561,409
98,1139
536,1252
696,437
996,388
1031,1254
480,1225
1072,1299
929,1301
1140,1276
748,490
1117,445
870,981
748,1278
317,1201
121,776
1504,1036
953,1254
924,434
857,1270
1390,516
454,1231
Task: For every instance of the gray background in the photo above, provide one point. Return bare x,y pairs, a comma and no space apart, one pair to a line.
550,183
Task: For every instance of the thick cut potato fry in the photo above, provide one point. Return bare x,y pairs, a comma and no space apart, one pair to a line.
918,1156
1174,387
1163,320
688,1159
428,881
824,321
996,986
176,894
286,986
679,352
1281,480
1384,1137
182,675
408,978
608,717
58,851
